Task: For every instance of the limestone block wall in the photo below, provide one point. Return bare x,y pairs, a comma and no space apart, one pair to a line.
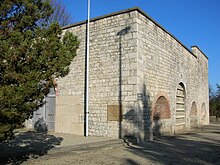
163,63
112,74
202,86
141,79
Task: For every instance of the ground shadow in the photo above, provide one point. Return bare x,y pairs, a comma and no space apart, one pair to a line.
130,162
182,149
26,145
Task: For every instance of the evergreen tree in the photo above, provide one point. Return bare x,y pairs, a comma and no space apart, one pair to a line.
31,53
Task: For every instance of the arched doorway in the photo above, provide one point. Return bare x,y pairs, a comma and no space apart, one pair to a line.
193,115
180,108
161,111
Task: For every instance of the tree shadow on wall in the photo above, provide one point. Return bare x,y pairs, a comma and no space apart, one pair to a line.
156,125
26,145
140,118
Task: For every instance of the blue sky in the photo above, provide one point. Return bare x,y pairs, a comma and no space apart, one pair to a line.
193,22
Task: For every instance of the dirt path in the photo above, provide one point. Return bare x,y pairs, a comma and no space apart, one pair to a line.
199,147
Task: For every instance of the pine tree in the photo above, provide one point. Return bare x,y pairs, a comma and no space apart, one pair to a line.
31,53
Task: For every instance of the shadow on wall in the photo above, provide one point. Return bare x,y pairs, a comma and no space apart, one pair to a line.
157,125
139,118
121,33
26,145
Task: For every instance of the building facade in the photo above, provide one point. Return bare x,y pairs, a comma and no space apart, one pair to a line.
142,80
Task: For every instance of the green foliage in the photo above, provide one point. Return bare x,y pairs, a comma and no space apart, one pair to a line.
31,53
214,101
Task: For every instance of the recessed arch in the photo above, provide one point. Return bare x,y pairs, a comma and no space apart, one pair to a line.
193,111
193,115
180,107
161,111
203,113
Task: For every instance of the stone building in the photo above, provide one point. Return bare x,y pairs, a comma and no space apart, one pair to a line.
141,80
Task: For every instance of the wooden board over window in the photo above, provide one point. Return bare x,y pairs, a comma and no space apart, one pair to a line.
114,113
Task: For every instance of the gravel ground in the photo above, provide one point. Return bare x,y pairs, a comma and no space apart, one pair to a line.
201,146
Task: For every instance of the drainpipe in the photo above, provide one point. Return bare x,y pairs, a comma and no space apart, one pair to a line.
87,74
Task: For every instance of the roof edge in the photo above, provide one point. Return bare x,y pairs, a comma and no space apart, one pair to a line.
147,16
126,11
200,51
101,17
